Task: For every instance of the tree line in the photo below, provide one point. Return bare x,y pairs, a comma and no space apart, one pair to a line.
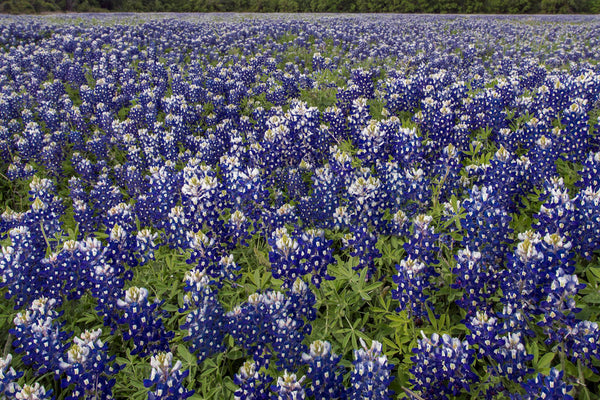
362,6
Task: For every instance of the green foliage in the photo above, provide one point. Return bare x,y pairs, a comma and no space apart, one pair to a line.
363,6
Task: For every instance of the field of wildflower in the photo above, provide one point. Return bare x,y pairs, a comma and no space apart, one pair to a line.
246,206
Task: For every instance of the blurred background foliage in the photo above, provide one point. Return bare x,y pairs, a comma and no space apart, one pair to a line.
391,6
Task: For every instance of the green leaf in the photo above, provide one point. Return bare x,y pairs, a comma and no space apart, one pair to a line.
592,298
138,385
229,384
535,350
543,365
595,271
390,344
432,319
170,307
185,354
121,360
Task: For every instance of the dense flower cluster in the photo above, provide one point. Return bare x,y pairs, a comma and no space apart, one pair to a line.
38,336
442,366
88,366
274,323
464,151
145,326
166,379
371,375
324,371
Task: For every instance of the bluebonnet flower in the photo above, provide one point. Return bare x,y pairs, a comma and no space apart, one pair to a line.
371,374
336,119
164,184
30,392
587,217
253,384
225,269
205,253
122,242
276,94
358,117
422,244
512,358
176,228
144,322
290,85
557,213
145,245
325,374
442,366
294,184
504,176
486,224
543,157
98,144
46,208
484,333
201,198
250,324
247,189
392,183
263,324
8,376
38,336
316,254
77,189
416,189
288,387
88,366
524,277
319,206
20,267
447,167
106,278
476,277
574,142
104,196
515,319
559,307
238,229
30,142
557,255
438,121
84,216
364,79
19,169
341,166
547,387
412,281
346,96
69,277
130,177
581,343
318,61
402,94
206,320
590,172
279,216
287,343
166,379
285,256
52,155
366,198
360,241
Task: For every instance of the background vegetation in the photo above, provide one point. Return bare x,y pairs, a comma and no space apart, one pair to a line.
394,6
